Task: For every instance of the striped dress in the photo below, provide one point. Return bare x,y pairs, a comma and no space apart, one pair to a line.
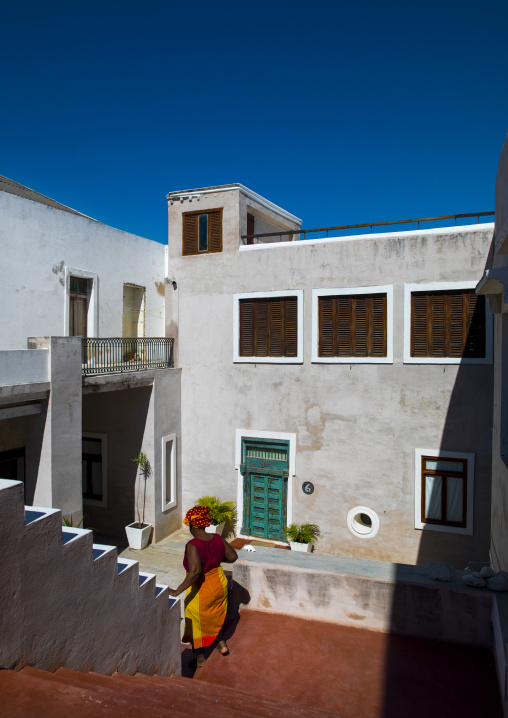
206,601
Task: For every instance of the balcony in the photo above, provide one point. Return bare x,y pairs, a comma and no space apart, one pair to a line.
122,354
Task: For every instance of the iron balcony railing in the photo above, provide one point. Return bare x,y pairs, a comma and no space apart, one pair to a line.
254,238
121,354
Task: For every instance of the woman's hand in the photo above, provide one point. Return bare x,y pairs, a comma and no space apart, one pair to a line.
173,592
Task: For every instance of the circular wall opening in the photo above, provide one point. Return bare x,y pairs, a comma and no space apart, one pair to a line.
363,522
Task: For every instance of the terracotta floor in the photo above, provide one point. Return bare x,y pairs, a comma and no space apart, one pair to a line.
351,672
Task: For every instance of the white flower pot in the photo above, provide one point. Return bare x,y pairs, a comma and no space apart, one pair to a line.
138,538
215,529
297,546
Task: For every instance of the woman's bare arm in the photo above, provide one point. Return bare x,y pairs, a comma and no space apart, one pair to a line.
195,569
231,555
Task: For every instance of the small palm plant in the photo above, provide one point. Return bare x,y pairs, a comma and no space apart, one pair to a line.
219,510
302,533
145,471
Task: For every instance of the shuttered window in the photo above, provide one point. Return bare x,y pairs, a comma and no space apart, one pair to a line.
269,327
202,232
448,324
352,326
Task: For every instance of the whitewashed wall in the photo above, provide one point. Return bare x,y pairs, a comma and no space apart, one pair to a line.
37,243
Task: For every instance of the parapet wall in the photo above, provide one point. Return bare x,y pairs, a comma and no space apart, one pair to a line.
392,598
68,602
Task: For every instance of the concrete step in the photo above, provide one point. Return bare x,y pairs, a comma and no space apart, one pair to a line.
250,704
32,692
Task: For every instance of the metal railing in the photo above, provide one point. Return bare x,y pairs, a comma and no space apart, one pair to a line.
292,232
121,354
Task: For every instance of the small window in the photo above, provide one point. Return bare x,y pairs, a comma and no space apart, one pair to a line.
202,232
444,491
269,327
444,498
93,469
169,472
78,306
352,326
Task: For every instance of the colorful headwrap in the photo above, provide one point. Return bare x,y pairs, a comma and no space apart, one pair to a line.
198,517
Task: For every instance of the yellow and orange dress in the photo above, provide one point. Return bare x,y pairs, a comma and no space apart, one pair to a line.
206,601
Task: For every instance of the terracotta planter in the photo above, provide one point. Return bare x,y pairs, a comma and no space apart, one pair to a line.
138,538
215,529
297,546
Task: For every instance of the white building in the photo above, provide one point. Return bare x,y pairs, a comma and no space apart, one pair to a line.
346,363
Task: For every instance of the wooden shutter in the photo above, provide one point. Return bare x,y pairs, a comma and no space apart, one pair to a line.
378,333
448,324
268,327
215,230
190,234
438,328
291,327
474,312
352,326
246,328
326,337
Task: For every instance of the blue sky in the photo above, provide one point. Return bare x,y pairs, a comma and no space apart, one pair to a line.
339,112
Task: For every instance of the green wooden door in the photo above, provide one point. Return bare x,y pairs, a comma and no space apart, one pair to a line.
265,468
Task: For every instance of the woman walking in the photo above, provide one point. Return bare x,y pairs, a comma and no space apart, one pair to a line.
206,599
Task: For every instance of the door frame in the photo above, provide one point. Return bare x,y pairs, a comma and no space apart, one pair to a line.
275,435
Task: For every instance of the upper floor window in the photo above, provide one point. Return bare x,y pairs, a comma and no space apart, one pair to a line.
78,306
446,325
352,325
268,327
202,232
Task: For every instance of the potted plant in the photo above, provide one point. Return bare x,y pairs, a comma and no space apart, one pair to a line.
301,537
138,533
220,512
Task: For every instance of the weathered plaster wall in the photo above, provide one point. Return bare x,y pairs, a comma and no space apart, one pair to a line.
357,425
63,605
37,243
376,596
23,366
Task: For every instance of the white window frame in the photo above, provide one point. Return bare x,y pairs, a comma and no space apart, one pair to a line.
93,301
104,456
255,434
298,359
437,453
166,505
441,287
349,291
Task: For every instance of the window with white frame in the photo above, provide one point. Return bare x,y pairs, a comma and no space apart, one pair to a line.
168,472
352,325
268,327
94,469
446,323
444,490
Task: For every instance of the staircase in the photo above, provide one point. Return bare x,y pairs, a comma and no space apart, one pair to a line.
32,692
69,602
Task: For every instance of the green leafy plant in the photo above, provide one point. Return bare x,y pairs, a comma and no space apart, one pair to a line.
302,533
219,510
145,471
69,522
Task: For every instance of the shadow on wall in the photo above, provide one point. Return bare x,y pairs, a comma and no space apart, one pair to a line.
121,417
440,674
